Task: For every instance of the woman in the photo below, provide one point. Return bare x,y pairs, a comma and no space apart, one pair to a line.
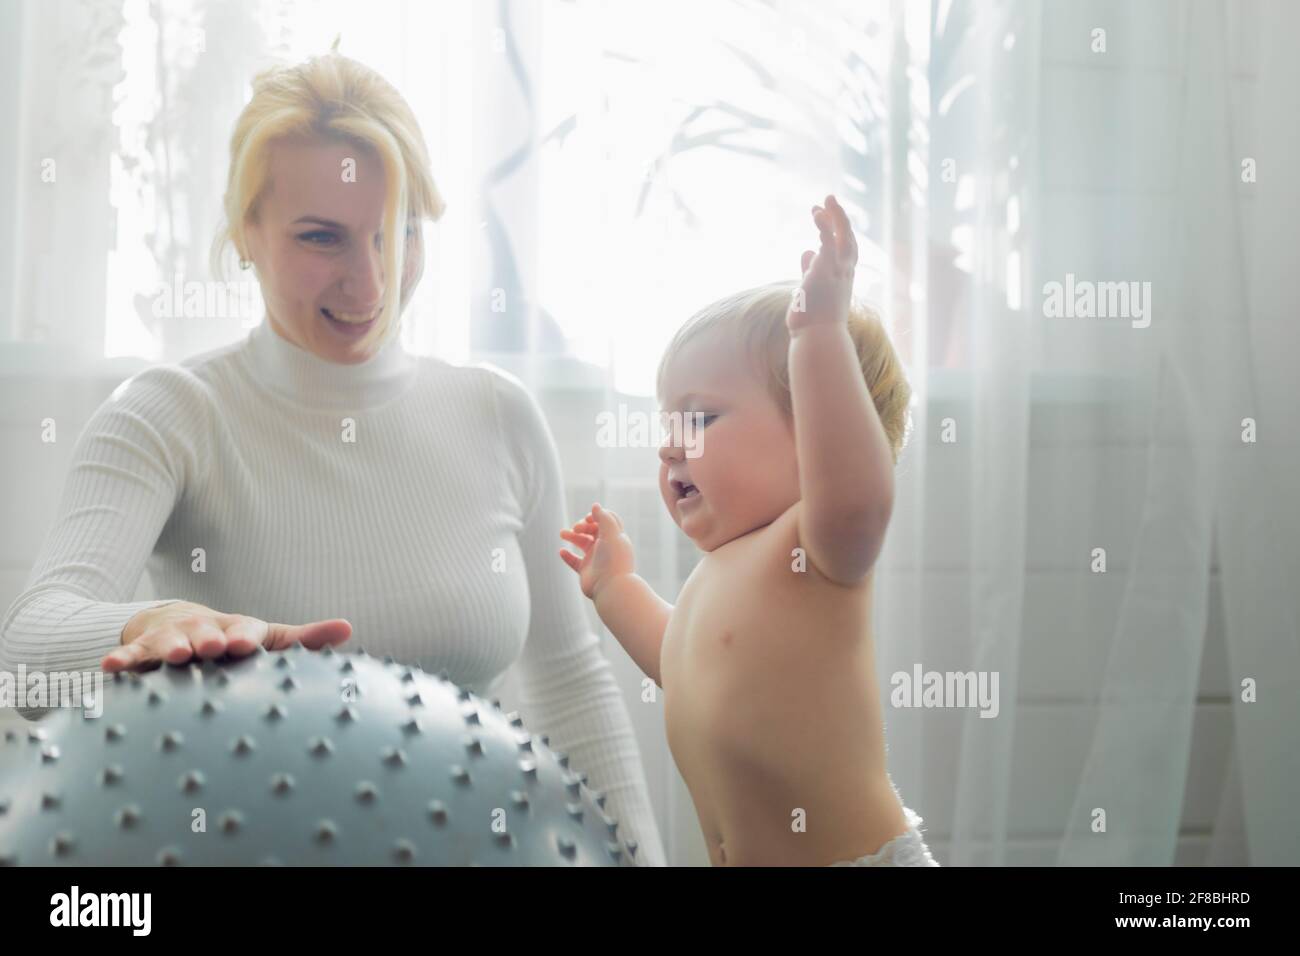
318,469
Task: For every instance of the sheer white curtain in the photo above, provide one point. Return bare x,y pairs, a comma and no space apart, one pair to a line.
986,151
1107,143
1148,704
1245,301
1078,511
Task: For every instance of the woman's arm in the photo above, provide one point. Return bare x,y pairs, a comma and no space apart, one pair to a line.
567,687
130,466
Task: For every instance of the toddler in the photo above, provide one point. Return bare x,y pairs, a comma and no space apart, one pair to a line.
771,705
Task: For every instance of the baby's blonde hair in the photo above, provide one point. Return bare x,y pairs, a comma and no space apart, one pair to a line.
332,97
755,319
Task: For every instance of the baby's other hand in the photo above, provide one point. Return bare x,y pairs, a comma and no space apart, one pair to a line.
606,550
823,296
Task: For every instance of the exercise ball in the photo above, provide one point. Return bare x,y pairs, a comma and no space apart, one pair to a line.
295,758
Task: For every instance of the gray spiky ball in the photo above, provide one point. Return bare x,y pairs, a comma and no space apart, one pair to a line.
295,758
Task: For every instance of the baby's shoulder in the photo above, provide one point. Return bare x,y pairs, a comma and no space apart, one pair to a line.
784,555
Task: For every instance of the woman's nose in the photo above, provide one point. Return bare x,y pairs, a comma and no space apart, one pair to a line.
364,280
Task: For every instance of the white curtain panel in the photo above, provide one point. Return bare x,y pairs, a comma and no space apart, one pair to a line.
1096,504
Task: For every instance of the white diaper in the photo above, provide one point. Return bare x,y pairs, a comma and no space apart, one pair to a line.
906,849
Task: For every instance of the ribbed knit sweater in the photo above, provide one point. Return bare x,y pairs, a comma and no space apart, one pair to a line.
418,499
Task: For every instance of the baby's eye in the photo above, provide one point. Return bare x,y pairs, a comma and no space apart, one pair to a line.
702,419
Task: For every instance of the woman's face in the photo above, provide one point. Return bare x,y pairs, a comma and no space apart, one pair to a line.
316,240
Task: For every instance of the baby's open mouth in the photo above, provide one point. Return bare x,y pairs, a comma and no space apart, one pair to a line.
684,489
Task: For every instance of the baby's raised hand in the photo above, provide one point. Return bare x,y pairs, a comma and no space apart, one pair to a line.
823,297
606,550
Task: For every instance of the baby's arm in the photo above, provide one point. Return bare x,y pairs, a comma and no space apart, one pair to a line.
637,617
846,469
634,614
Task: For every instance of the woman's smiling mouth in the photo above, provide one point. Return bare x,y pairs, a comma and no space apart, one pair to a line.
350,318
350,324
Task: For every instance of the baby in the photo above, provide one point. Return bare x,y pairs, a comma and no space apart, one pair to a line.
771,703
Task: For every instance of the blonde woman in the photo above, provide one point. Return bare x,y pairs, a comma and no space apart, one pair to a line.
329,477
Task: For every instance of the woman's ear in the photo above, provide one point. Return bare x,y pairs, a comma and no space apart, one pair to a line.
248,245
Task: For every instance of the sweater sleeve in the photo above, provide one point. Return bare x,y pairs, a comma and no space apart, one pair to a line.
130,467
567,689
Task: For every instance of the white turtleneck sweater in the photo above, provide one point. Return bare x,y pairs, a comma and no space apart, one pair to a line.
433,531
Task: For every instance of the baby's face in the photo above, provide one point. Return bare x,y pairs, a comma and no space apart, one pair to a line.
741,457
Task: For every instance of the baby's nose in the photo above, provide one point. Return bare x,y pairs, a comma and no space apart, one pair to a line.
669,451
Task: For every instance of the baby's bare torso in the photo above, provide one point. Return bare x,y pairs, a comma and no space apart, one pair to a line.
771,707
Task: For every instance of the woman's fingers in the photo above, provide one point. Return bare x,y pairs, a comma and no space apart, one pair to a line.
239,641
207,639
313,636
168,645
174,647
114,661
126,657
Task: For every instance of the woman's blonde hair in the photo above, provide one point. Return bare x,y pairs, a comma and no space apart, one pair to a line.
755,319
333,97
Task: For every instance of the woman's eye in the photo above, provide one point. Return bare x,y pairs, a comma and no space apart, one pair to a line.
318,238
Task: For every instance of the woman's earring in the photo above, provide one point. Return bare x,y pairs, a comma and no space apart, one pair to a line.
244,264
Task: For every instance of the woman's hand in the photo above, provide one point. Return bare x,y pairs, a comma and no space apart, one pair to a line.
606,551
175,633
